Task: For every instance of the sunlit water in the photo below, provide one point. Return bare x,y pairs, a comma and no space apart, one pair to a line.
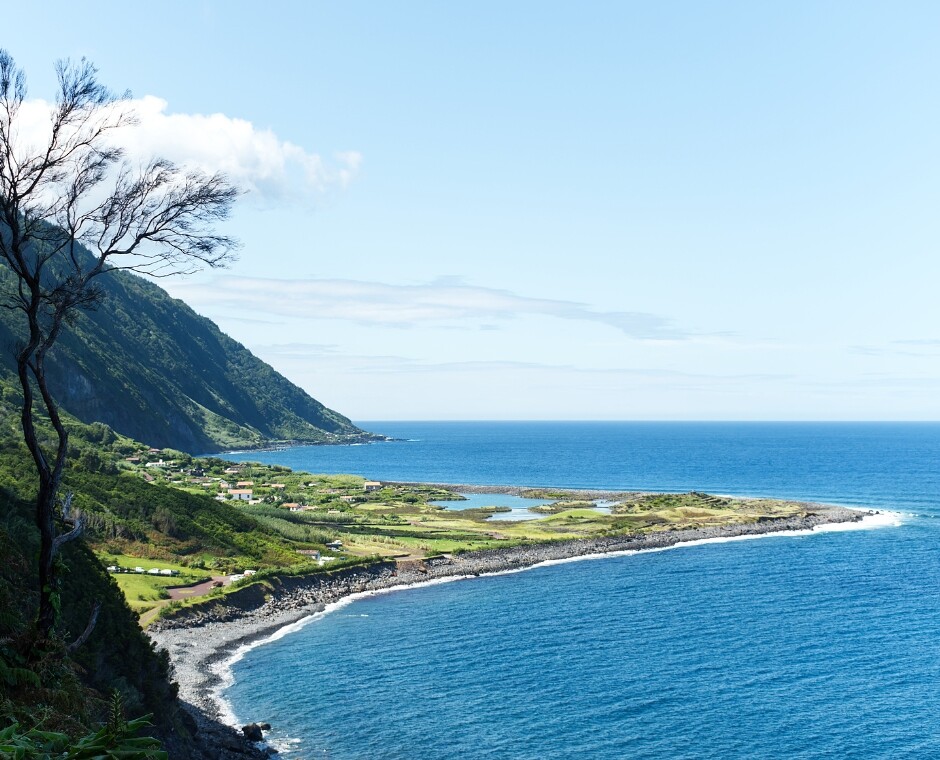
789,646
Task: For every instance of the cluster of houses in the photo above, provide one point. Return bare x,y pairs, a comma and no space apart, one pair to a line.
243,490
141,571
230,489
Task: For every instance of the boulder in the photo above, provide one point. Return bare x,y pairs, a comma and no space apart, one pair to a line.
252,732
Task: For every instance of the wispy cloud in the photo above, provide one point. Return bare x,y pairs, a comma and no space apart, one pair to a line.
443,302
919,342
254,158
333,355
919,347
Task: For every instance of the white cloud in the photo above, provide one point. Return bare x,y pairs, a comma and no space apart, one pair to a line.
447,301
256,159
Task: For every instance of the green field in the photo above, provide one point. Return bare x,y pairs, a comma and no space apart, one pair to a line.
143,591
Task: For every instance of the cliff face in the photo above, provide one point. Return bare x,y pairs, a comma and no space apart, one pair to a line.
150,367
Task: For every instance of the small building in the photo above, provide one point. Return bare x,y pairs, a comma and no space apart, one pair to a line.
371,485
244,484
232,470
240,494
335,545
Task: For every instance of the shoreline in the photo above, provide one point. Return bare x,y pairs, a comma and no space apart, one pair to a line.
609,494
205,639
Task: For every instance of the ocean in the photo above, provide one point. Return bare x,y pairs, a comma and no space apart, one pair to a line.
822,645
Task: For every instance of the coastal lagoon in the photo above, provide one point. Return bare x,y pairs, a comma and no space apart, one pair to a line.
518,506
811,645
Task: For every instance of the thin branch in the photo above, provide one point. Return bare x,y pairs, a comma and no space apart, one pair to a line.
92,622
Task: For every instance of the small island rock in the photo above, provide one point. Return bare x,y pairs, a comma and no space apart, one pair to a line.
253,733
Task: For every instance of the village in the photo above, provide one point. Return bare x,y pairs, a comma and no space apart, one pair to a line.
252,483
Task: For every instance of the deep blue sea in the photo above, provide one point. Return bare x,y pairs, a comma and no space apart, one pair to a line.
822,645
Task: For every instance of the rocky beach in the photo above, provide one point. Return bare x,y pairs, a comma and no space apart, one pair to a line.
201,639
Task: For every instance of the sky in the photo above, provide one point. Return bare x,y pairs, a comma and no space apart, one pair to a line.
542,210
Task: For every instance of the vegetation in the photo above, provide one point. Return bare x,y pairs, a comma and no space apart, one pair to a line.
67,693
116,739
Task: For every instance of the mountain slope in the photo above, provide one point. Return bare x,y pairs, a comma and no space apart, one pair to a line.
153,369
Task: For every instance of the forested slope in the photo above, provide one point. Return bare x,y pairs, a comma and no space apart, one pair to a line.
153,369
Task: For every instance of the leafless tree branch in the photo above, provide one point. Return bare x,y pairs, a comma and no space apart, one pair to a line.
92,622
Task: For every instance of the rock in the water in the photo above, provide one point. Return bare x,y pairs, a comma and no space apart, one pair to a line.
253,733
264,726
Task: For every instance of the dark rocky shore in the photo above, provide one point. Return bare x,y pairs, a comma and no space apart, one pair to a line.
201,638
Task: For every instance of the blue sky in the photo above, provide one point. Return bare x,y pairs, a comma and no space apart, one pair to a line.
492,210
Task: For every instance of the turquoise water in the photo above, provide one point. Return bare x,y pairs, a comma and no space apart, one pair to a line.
809,646
518,505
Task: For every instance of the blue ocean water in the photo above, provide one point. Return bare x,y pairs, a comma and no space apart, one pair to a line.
826,645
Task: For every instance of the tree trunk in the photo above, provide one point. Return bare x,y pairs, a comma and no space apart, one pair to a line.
30,366
48,582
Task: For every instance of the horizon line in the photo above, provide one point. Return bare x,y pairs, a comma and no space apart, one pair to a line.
664,421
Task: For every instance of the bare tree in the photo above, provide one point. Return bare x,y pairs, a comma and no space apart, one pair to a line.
72,208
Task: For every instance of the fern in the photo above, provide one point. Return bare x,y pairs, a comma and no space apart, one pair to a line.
11,671
13,676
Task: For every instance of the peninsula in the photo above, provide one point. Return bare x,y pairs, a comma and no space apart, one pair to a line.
202,634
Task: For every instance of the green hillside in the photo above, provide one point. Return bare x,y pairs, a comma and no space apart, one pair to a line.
180,381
